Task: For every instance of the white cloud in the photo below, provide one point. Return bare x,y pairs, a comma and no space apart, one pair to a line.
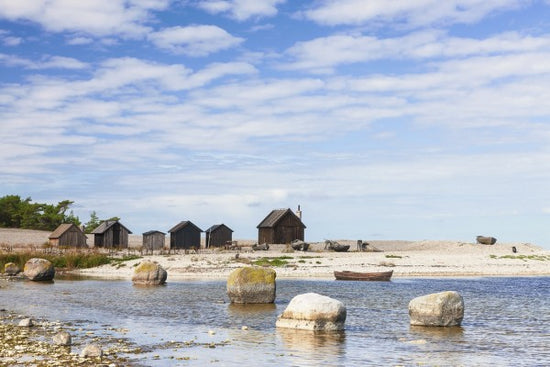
323,54
93,17
242,9
411,13
47,62
197,40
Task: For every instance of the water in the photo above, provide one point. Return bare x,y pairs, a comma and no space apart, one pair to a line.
506,322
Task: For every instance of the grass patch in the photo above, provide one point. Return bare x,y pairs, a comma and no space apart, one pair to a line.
273,261
69,260
309,257
523,257
394,256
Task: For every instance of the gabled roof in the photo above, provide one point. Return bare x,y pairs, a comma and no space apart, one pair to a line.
151,232
105,225
215,227
62,229
275,216
182,225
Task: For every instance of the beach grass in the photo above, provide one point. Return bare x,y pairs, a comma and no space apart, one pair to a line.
68,260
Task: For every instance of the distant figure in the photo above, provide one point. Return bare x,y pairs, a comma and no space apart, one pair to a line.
514,249
486,240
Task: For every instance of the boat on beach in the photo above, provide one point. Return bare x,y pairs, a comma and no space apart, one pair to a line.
372,276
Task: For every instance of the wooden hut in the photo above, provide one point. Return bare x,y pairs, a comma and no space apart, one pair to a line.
281,226
68,235
153,240
218,235
111,233
185,235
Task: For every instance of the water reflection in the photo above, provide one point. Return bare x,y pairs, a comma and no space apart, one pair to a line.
239,310
313,346
455,333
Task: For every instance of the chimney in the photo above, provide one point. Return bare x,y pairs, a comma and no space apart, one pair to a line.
299,213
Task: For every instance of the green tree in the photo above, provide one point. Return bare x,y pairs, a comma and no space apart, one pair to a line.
93,223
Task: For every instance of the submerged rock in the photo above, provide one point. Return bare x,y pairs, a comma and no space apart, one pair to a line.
11,269
437,309
252,285
312,311
39,269
149,273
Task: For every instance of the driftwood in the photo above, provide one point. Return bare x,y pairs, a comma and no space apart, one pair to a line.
486,240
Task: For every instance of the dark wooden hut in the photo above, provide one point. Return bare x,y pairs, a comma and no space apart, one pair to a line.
68,235
185,235
153,240
218,235
281,226
111,233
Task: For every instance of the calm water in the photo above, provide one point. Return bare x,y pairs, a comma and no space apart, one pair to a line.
506,322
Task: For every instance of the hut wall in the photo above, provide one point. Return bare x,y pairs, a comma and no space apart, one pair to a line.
72,238
288,229
154,241
219,237
185,238
115,236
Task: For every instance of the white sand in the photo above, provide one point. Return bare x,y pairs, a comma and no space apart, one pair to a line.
406,258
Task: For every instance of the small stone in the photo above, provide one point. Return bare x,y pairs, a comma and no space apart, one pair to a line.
211,332
27,322
62,338
244,327
91,350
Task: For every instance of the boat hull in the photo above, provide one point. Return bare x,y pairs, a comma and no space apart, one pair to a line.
353,275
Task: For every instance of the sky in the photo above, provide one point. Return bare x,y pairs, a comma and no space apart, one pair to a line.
382,119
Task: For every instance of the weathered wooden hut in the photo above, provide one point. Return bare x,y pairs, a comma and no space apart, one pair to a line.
185,235
218,235
281,226
153,240
68,235
111,233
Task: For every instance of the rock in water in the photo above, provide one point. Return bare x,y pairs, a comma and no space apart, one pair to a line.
437,309
91,350
252,285
312,311
149,273
26,322
11,269
39,269
62,338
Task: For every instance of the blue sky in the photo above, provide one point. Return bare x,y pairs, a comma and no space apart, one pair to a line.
407,120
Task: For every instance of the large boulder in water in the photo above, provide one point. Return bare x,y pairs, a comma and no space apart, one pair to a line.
149,273
39,269
312,311
437,309
252,285
11,269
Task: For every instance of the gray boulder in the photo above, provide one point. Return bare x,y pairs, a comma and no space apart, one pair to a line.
91,350
252,285
39,269
312,311
62,338
11,269
27,322
486,240
437,309
149,273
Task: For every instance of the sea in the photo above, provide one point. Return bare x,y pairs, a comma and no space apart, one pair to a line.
192,323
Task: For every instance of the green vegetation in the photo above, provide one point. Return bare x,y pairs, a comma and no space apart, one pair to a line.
273,261
23,213
523,257
69,260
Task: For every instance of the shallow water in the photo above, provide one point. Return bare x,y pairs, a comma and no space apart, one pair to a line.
506,322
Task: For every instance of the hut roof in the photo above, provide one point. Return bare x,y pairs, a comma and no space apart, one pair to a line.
105,225
61,229
275,216
151,232
216,226
182,225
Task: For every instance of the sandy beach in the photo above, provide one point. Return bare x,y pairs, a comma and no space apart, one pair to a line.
428,258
